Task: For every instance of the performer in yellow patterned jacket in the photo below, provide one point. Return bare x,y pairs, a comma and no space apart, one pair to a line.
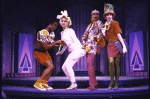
45,41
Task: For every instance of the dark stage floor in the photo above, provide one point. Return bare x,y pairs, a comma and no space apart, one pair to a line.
23,87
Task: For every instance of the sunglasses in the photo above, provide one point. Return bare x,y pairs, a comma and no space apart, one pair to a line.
95,13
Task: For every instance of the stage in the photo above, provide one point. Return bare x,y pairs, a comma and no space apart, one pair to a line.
23,87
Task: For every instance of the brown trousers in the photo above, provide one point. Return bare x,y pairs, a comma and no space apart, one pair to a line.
91,69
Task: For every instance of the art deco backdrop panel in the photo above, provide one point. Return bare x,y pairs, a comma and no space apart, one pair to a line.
22,58
136,51
25,53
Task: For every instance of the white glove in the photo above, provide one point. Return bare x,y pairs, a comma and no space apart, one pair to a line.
124,50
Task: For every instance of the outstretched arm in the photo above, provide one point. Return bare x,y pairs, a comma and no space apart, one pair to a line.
55,46
51,45
46,45
122,42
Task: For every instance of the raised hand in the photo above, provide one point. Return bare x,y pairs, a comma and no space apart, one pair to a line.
59,41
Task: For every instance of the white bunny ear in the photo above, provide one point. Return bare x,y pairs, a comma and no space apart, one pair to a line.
63,14
59,16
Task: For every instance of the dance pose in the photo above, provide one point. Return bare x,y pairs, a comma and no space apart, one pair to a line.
45,41
74,46
112,33
92,45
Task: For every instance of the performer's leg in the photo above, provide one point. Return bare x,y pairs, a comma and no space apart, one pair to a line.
68,69
50,72
111,71
117,71
49,68
40,82
65,70
46,74
69,63
44,59
91,70
50,62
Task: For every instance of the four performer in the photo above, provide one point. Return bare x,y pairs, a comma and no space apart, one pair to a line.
93,40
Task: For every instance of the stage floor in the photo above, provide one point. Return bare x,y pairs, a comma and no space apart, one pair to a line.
13,91
129,86
82,81
78,78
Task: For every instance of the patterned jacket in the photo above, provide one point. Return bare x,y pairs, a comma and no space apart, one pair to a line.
92,44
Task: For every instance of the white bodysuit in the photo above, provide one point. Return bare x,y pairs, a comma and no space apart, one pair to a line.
75,49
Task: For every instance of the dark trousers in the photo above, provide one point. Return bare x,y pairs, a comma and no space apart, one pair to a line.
91,69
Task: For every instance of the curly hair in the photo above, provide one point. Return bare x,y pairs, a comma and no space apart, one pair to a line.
68,19
53,21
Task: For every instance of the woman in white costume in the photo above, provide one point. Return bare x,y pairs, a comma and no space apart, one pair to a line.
74,46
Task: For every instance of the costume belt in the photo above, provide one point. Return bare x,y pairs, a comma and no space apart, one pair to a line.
68,38
39,50
113,41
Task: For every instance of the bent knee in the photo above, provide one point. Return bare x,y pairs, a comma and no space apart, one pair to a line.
49,64
52,66
63,67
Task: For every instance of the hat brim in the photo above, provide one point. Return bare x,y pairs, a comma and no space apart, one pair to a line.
104,15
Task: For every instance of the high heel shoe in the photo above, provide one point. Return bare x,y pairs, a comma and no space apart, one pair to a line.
73,86
91,87
110,85
116,86
109,88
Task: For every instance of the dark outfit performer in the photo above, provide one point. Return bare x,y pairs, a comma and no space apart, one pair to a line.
45,41
112,32
92,45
